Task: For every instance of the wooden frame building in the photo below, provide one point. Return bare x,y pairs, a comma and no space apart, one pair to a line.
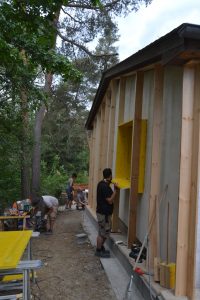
144,124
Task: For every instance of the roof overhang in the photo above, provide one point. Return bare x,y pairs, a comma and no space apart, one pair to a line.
177,47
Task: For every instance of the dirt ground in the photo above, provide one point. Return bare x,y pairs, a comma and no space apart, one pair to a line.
70,270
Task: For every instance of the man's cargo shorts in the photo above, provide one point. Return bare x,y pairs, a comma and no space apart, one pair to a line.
104,225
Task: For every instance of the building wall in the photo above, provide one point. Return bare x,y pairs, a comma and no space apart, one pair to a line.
117,108
170,161
147,112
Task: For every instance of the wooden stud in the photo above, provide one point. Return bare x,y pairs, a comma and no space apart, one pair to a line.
155,163
194,188
111,131
135,159
92,167
106,130
115,216
182,266
96,174
101,140
121,100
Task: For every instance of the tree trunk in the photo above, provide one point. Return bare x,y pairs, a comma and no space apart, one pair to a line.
25,156
37,140
35,190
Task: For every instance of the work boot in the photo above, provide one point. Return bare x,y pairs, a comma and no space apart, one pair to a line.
104,250
102,254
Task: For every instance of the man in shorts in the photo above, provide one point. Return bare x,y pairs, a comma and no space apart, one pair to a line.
70,190
48,206
104,210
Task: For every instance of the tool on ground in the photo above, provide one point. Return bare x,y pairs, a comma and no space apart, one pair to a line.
149,229
129,290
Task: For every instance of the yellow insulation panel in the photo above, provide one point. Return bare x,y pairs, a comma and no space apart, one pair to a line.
12,246
124,155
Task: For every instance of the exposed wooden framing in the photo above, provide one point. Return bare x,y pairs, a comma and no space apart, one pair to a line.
135,158
91,167
121,100
111,131
96,157
155,161
106,130
115,216
194,187
182,266
93,159
101,139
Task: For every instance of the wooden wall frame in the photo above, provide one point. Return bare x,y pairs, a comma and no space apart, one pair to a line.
155,162
188,184
135,159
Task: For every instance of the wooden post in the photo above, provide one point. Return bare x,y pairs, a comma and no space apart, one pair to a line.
135,159
155,162
102,139
121,100
96,174
91,166
194,188
182,265
115,216
105,131
111,133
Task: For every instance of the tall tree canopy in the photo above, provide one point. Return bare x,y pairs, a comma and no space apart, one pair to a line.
29,59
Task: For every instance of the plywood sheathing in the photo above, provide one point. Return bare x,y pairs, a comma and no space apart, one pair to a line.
135,159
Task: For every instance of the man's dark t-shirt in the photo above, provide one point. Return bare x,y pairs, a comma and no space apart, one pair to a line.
104,191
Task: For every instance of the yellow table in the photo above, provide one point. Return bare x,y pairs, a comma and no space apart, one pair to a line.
12,246
3,218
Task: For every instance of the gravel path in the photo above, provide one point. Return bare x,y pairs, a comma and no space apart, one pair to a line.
70,271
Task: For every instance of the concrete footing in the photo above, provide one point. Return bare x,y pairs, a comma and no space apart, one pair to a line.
119,267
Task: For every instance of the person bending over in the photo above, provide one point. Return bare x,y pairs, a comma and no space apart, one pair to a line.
48,206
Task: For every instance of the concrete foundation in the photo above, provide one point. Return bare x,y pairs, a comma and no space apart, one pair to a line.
119,267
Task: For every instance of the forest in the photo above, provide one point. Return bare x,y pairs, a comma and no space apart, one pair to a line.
48,79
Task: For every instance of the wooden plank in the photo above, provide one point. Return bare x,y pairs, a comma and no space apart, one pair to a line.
111,134
106,129
96,158
135,159
182,266
194,188
92,167
121,100
115,216
101,139
155,163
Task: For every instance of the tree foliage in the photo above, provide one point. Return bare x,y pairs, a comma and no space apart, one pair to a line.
28,52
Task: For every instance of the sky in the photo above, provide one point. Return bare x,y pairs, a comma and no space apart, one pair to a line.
141,28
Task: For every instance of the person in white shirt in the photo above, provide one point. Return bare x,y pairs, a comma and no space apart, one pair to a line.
48,205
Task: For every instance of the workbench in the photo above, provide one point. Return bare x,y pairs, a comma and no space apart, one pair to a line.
23,217
12,247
